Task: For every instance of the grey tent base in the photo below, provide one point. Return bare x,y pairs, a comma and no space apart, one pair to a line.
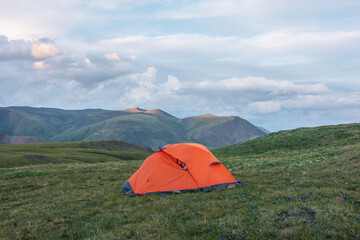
127,189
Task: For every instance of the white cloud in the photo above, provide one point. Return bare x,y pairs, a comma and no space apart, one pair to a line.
265,107
44,48
262,85
41,48
172,85
56,19
251,9
40,65
313,103
172,43
214,8
322,102
305,41
263,50
112,57
286,61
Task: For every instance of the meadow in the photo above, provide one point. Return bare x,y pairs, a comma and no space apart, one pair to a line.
299,184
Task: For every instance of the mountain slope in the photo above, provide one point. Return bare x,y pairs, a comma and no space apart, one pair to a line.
148,128
140,129
215,131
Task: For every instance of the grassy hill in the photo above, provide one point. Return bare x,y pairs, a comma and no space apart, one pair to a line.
300,184
297,139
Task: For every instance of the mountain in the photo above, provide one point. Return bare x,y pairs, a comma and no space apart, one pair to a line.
147,128
215,131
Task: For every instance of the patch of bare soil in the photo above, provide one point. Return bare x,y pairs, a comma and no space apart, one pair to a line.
42,158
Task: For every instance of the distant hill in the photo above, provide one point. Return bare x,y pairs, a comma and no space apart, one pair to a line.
147,128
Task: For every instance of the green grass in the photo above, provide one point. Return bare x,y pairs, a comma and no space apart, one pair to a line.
74,152
84,200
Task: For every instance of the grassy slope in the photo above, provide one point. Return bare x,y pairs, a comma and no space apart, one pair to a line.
75,152
84,201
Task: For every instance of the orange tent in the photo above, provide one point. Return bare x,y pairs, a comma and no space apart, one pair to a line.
178,168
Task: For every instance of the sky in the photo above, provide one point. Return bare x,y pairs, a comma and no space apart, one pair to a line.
280,64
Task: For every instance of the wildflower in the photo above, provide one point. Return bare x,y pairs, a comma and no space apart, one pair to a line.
289,198
274,202
345,198
276,198
328,196
254,213
251,205
319,198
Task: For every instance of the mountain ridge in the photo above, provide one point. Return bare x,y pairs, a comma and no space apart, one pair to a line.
147,128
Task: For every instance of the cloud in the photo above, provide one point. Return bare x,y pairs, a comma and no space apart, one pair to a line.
265,107
322,102
25,19
250,9
305,41
213,8
286,61
14,49
39,49
40,65
112,57
261,85
307,103
171,43
85,84
172,85
43,48
267,49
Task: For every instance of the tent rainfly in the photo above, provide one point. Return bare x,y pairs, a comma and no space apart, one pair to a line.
177,168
